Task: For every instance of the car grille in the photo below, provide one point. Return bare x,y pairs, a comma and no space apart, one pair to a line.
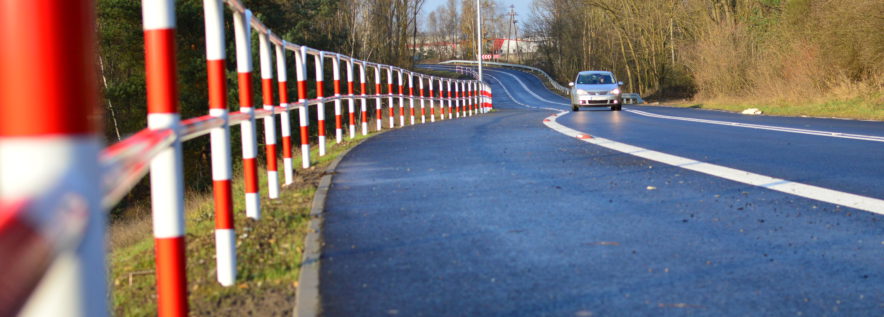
596,93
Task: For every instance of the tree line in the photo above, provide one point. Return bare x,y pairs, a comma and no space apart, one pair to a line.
776,49
454,23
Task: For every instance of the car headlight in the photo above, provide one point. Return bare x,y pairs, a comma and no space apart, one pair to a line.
582,92
616,91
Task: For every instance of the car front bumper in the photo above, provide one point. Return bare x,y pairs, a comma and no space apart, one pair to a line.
595,100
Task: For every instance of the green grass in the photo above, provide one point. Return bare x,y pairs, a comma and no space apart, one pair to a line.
268,250
870,107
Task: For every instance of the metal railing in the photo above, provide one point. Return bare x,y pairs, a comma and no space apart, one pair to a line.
56,181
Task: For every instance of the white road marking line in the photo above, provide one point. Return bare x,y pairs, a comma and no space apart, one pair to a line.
526,87
869,204
507,91
764,127
717,122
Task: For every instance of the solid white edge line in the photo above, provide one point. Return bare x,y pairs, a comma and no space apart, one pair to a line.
869,204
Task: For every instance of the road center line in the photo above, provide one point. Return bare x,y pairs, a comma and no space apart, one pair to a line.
869,204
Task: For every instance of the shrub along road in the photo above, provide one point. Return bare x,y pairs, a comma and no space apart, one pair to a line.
500,215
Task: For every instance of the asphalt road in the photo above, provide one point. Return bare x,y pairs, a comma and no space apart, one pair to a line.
498,215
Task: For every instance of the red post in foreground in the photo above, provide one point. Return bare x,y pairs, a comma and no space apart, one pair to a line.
432,102
166,170
364,100
49,171
285,121
266,57
242,35
304,109
378,102
351,102
225,237
420,84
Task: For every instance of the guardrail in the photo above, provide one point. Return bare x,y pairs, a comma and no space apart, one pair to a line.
56,181
632,98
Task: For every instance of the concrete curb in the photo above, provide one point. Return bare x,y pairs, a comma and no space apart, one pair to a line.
307,299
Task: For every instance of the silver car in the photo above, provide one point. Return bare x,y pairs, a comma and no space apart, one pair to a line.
596,89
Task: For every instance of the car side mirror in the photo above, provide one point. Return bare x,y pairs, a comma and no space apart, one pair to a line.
620,83
571,84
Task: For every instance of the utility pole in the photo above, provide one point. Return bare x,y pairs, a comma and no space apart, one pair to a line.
479,35
509,33
518,45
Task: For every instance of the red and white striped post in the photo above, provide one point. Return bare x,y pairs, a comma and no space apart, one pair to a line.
319,60
487,98
264,50
432,102
458,101
401,98
472,96
465,93
480,97
52,224
442,99
351,105
420,84
468,88
284,117
450,99
411,96
468,106
475,87
242,35
225,236
378,99
364,100
476,97
166,168
336,77
390,92
304,109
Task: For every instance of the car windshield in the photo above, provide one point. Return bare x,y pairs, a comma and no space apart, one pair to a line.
594,79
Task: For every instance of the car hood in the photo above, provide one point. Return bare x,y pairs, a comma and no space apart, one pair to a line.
602,87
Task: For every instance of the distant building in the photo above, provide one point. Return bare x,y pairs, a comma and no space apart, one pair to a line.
514,46
454,48
441,48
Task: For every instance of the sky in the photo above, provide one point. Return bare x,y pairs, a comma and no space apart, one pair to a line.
523,7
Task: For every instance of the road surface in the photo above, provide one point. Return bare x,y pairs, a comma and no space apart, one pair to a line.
500,215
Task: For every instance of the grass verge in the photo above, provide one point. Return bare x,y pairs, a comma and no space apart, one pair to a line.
867,107
268,250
